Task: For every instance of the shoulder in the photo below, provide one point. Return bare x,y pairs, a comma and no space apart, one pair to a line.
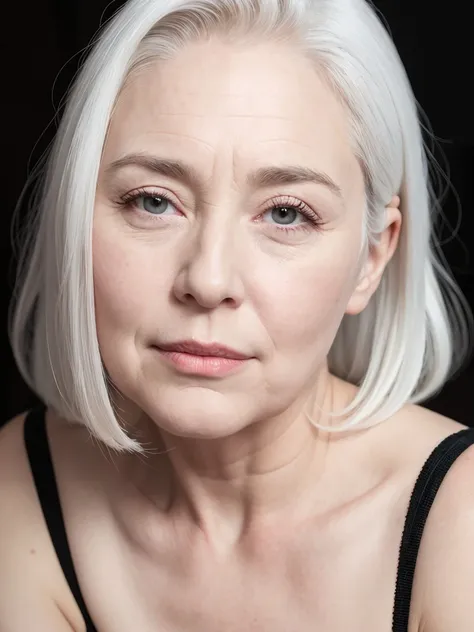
29,572
408,437
444,576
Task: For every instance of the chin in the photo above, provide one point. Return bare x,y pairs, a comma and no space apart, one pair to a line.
198,412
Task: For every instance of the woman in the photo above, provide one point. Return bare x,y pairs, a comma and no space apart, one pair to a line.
232,311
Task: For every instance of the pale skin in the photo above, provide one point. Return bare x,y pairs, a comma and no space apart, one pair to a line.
245,517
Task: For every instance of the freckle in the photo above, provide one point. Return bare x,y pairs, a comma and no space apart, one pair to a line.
33,552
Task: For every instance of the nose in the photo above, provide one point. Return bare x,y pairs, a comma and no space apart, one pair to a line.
210,272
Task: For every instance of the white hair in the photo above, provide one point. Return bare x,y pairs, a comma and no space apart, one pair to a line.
413,335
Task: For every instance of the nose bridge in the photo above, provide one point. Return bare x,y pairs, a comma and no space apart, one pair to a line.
215,242
212,271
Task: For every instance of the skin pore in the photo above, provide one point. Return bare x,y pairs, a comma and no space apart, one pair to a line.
268,269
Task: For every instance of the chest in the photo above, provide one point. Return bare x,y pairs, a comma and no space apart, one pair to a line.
334,583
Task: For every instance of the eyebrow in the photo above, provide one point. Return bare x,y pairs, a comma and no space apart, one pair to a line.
262,177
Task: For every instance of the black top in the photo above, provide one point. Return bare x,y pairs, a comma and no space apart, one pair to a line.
423,495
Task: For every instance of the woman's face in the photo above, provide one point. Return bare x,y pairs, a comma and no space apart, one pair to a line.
239,252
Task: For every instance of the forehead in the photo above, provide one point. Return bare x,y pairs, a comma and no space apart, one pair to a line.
245,102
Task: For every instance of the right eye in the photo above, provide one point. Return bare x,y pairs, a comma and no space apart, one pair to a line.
156,204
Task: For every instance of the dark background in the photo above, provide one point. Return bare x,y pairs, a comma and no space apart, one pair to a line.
43,42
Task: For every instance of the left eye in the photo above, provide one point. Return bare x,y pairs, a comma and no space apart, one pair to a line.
154,204
285,215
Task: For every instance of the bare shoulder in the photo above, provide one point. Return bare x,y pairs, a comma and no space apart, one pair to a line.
31,592
444,576
408,438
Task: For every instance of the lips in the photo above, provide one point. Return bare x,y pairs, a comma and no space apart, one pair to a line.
203,349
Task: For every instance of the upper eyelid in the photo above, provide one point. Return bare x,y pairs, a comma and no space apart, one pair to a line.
155,189
142,192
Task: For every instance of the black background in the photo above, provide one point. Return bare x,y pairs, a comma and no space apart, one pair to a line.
43,42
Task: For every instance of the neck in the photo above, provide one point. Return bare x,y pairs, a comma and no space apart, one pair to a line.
273,469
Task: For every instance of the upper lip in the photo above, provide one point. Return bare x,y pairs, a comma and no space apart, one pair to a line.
203,349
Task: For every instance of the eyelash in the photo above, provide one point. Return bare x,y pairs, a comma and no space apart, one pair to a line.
314,222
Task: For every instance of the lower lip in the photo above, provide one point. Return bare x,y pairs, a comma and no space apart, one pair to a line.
208,366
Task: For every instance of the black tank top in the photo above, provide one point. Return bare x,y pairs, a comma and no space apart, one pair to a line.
423,495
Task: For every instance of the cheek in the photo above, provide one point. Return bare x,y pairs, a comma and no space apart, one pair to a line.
126,285
302,301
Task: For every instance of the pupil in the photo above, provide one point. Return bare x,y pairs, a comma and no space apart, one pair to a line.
284,215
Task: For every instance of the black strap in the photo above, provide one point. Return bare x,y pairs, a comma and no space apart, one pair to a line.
39,456
422,498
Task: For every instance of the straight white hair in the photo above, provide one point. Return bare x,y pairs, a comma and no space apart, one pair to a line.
415,332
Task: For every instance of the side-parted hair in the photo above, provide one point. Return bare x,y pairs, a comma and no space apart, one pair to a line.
414,334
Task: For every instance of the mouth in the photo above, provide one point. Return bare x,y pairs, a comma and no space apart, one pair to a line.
207,360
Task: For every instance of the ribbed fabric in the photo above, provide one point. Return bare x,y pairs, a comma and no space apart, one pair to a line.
424,492
421,501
